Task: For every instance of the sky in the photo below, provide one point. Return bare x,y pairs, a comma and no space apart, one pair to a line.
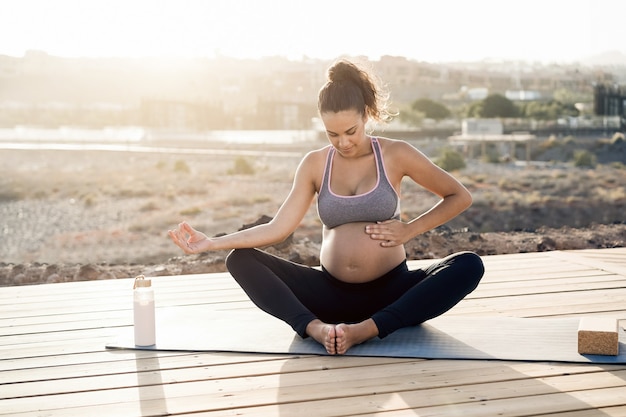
433,31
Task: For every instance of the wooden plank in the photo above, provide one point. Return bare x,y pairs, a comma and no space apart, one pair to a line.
412,404
617,411
67,346
513,398
79,359
613,308
121,298
250,390
84,307
588,259
57,368
219,374
71,290
550,299
549,286
509,391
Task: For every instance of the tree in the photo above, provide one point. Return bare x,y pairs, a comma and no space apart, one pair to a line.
496,105
474,109
548,110
431,109
411,117
571,97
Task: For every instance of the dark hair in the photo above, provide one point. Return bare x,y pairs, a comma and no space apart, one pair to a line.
352,88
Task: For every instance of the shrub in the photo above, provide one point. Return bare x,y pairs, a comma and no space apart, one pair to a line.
242,167
617,139
451,160
584,159
549,143
191,211
89,200
149,206
569,140
491,156
181,166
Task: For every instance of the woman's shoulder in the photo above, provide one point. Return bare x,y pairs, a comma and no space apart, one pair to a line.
314,160
402,155
393,146
316,155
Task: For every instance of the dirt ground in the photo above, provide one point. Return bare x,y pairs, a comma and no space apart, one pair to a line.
86,215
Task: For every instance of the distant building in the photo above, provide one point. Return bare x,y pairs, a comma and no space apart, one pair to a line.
485,131
610,100
481,127
523,95
478,93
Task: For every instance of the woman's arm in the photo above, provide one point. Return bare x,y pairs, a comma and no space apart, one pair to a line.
286,220
406,160
455,198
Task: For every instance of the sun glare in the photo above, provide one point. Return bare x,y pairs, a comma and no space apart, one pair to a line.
433,31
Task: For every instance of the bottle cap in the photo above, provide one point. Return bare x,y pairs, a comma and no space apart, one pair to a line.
141,281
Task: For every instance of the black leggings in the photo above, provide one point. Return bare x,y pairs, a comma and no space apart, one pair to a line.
298,294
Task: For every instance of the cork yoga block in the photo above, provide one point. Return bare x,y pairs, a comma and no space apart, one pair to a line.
598,336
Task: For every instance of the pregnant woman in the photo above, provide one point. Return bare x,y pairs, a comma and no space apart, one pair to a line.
364,288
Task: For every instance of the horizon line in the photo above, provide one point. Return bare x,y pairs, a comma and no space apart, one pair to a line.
621,56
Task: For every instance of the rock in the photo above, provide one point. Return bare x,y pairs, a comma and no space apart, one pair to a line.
87,272
53,279
17,270
546,244
158,271
474,237
106,275
19,279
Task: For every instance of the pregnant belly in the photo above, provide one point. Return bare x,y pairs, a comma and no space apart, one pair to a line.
351,255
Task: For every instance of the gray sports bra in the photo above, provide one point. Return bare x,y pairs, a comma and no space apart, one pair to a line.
379,204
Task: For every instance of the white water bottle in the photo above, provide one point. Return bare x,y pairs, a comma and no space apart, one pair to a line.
143,308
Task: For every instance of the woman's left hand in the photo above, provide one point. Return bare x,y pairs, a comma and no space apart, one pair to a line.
390,232
189,239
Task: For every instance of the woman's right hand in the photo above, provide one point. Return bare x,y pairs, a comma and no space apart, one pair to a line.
189,239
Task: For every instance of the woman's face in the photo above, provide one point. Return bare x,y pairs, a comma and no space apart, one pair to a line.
346,132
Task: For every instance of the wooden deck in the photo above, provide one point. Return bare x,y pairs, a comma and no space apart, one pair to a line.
53,360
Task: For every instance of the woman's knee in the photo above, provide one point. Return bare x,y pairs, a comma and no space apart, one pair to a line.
473,262
467,265
237,258
473,267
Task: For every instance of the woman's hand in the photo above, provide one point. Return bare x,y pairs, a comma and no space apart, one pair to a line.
390,232
189,239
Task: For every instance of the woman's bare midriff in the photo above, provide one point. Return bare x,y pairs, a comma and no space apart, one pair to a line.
351,255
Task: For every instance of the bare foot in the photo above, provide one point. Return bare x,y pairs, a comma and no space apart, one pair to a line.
324,334
348,335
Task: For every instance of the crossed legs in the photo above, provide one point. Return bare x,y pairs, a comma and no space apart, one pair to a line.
339,315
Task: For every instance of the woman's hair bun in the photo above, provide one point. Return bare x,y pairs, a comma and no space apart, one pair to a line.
342,71
351,87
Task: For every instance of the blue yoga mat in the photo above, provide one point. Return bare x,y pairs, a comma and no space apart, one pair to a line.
198,328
